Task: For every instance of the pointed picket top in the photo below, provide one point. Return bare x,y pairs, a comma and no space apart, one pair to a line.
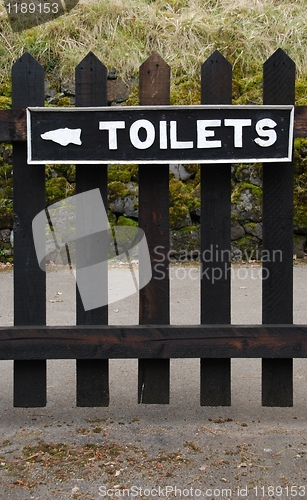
154,81
91,82
216,80
279,79
27,82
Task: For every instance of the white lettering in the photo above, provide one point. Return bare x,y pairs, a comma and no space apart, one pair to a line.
238,125
203,134
175,144
163,135
269,133
134,134
112,128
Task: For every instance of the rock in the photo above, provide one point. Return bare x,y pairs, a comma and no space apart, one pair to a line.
68,86
185,243
237,231
118,90
299,245
117,206
5,235
248,173
182,219
180,172
254,229
247,206
300,229
236,254
56,97
195,214
112,74
131,206
49,90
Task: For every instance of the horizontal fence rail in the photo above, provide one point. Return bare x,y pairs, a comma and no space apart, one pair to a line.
154,341
161,342
13,124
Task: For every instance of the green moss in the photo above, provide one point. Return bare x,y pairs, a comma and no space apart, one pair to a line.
247,244
121,173
243,186
6,187
117,189
111,218
58,188
5,102
64,102
6,89
133,99
188,229
185,90
255,190
183,199
5,95
300,184
251,224
178,216
126,221
247,90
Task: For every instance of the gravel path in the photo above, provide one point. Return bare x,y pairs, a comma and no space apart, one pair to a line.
242,451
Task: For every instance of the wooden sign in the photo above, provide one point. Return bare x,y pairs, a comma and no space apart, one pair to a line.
156,134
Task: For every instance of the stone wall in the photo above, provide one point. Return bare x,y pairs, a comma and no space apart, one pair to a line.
246,211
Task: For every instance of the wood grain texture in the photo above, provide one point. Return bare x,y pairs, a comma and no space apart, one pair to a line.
153,376
300,121
153,342
92,377
13,125
216,88
277,287
29,199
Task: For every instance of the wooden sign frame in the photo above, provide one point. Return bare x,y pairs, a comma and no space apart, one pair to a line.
160,134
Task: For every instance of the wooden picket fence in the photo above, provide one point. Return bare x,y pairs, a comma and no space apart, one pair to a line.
154,341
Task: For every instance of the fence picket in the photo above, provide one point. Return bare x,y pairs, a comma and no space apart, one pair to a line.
154,341
153,376
29,199
216,88
277,285
92,375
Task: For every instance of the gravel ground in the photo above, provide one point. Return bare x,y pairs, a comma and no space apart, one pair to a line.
180,450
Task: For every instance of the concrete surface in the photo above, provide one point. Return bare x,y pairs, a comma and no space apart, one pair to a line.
179,450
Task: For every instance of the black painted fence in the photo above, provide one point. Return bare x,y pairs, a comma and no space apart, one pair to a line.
91,342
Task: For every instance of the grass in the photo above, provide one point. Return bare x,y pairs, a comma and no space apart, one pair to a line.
123,33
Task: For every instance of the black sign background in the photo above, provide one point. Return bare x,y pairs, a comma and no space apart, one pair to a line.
95,142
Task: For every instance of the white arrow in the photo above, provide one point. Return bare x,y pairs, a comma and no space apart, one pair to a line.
64,136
